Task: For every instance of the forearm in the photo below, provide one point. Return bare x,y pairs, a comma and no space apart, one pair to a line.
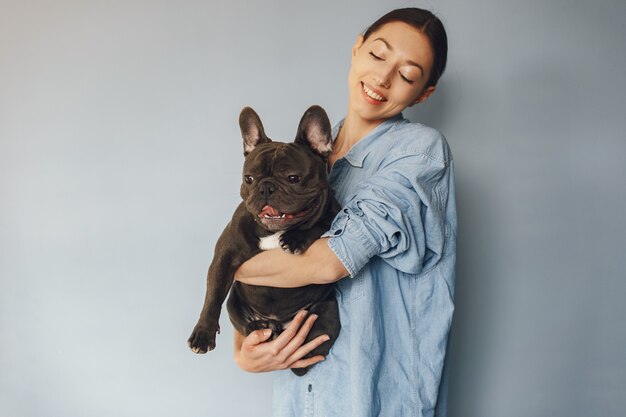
276,268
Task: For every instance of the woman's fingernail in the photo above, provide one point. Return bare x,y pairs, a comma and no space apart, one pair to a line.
267,332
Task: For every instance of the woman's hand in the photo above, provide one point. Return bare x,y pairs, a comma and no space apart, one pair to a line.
254,354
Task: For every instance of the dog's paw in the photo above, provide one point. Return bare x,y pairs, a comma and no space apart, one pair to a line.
202,339
275,326
294,242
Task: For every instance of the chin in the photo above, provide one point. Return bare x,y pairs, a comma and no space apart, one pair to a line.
370,115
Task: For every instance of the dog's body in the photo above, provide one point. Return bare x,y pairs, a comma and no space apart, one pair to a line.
287,203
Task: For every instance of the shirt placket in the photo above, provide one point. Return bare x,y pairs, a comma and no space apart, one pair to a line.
308,399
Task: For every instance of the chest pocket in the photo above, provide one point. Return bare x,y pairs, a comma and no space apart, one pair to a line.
351,289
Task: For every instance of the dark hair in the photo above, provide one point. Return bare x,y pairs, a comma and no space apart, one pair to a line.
427,23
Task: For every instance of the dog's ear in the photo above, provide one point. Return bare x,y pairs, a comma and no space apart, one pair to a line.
315,131
251,130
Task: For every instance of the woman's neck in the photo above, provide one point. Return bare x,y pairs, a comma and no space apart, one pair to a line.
353,129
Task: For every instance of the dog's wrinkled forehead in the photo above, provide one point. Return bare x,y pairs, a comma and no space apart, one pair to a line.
278,156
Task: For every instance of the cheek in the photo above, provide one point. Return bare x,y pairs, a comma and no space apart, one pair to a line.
360,66
405,94
354,81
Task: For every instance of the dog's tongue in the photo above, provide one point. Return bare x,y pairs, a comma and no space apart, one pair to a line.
269,211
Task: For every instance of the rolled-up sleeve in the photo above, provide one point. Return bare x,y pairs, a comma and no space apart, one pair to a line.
397,214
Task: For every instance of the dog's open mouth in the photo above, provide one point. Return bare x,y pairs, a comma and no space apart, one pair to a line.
270,212
274,219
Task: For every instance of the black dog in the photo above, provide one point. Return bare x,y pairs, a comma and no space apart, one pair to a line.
287,203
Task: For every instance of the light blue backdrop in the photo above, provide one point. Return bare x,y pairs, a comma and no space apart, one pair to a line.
120,160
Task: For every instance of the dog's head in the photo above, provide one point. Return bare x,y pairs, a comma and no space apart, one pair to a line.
284,184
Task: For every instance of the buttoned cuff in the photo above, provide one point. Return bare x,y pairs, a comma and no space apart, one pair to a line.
348,242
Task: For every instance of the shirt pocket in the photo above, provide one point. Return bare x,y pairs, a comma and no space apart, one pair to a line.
352,289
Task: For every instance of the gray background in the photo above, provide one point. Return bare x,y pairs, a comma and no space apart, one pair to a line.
120,160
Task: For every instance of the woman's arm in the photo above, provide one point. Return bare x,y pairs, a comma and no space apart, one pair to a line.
253,354
277,268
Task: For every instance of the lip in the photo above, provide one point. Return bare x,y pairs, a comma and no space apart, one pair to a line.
285,220
370,99
275,224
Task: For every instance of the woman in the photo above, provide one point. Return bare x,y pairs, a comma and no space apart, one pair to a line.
394,241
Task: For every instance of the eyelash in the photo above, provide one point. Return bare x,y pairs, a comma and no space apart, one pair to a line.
406,79
377,58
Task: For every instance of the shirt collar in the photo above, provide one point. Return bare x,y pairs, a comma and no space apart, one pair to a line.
356,155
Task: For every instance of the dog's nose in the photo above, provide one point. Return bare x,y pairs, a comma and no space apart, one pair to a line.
267,189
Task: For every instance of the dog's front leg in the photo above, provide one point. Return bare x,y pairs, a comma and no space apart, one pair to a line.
219,281
231,250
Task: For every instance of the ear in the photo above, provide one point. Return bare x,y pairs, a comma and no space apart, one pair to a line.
423,96
357,44
251,130
315,131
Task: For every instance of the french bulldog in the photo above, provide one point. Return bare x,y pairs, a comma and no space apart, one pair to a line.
287,203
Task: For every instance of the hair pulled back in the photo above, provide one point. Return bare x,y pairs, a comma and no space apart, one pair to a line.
427,23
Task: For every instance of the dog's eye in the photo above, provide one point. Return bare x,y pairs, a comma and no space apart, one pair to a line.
293,179
249,179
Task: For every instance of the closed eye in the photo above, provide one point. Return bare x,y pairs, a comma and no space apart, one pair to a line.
376,57
406,79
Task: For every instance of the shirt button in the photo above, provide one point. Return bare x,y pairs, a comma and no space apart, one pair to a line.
310,388
338,232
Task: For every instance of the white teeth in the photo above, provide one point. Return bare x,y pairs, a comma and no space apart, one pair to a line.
372,94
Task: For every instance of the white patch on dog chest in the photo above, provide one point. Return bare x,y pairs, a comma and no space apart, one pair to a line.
270,242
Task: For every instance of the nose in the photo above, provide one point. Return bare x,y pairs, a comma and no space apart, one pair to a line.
383,77
267,189
382,82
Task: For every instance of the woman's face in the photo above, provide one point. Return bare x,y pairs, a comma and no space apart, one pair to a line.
389,71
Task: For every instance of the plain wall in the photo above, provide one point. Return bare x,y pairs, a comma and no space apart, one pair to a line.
120,160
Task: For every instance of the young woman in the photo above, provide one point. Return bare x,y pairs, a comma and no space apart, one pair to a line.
394,242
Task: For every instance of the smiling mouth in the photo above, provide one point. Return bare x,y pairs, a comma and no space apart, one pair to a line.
371,94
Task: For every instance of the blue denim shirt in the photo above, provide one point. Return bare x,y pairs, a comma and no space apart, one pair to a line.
396,235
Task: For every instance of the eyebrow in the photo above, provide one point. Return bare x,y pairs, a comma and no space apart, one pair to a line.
408,60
